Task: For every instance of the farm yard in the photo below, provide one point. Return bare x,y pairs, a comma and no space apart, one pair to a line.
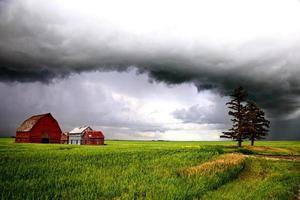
149,170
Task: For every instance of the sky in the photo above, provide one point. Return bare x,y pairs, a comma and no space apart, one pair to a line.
149,70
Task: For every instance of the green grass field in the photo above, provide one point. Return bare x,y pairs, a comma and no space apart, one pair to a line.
149,170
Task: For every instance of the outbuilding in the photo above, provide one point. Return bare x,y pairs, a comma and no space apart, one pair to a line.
64,138
75,135
39,129
93,138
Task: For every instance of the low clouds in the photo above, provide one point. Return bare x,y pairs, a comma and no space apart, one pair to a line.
213,45
212,112
96,99
135,110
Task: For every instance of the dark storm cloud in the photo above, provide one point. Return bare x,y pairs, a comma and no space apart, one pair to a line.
40,42
277,96
285,129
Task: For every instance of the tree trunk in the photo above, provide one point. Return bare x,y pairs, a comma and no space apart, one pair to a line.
240,143
252,142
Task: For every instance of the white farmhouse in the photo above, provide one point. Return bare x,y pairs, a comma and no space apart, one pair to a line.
75,135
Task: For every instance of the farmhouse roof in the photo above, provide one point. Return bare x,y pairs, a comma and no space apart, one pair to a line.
29,123
80,129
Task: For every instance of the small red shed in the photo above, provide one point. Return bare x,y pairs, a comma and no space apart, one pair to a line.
39,129
64,138
93,138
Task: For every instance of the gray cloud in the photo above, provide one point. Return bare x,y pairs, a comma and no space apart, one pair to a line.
123,111
213,113
74,102
285,129
118,109
44,41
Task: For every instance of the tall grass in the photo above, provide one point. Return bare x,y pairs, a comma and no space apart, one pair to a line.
118,170
262,179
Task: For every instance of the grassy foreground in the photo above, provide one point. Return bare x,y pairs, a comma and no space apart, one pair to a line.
149,170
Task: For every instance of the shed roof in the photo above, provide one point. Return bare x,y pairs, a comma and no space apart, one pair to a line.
29,123
80,129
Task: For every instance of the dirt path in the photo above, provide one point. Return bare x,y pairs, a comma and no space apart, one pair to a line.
275,157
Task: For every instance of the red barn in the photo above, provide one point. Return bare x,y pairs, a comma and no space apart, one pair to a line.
39,129
93,138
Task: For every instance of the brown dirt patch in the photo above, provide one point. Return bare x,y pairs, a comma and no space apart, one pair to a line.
277,157
220,164
267,149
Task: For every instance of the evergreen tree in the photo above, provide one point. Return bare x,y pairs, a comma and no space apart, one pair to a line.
237,111
256,126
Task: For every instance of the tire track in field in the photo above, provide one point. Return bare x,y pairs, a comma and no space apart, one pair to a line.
274,157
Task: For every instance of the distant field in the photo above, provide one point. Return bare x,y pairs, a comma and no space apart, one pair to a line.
150,170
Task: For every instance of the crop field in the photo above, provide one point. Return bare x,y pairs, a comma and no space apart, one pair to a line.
150,170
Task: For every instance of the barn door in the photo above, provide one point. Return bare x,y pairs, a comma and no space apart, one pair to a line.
45,138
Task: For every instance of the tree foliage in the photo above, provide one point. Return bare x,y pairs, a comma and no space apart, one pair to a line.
256,124
248,120
238,97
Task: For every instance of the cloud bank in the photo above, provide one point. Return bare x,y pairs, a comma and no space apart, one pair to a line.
214,45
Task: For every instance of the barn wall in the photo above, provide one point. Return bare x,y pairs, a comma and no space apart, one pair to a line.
46,126
64,139
93,141
22,137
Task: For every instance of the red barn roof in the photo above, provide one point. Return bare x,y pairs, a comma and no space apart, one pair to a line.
29,123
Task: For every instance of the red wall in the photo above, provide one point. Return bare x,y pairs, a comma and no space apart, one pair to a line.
64,139
22,137
45,126
92,140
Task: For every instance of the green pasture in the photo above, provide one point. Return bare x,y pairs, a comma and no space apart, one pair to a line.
146,170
